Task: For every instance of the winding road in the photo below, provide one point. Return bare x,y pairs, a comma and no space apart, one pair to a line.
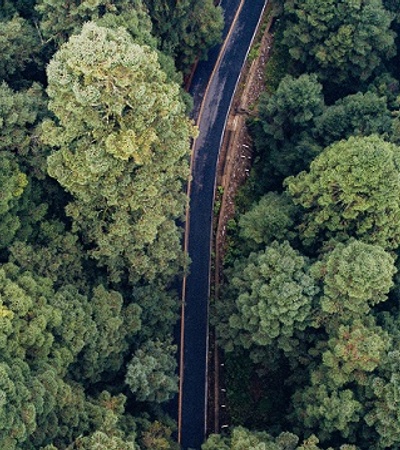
213,87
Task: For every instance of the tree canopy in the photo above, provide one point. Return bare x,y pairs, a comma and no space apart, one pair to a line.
272,293
351,190
339,40
119,124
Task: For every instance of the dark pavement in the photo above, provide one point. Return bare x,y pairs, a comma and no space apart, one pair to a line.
212,123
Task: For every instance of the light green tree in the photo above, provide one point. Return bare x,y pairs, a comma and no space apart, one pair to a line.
355,277
243,439
101,441
151,372
123,142
272,294
351,190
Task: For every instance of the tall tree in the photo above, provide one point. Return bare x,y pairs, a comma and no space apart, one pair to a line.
272,218
344,40
186,28
272,294
287,117
151,372
355,277
19,47
58,21
123,142
355,115
351,190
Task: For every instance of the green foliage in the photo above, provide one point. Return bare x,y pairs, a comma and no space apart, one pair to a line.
101,441
328,411
58,21
272,293
355,115
354,350
12,182
56,254
257,396
384,415
157,436
19,47
105,349
355,277
120,124
272,218
160,310
287,118
243,439
151,372
19,113
340,41
351,190
186,29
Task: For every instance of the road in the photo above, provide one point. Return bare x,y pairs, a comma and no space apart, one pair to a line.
217,96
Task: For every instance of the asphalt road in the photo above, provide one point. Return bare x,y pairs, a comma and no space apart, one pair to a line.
211,125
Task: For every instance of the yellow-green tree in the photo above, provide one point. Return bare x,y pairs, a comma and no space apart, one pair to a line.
121,143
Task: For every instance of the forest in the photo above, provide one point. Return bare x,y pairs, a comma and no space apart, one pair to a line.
309,317
95,146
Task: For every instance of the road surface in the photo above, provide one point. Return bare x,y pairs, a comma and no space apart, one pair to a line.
217,97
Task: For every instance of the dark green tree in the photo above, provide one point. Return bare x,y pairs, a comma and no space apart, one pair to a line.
58,21
288,117
106,346
341,41
272,218
355,115
186,28
19,47
12,182
55,253
384,415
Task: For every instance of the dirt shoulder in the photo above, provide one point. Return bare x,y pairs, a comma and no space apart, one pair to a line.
234,165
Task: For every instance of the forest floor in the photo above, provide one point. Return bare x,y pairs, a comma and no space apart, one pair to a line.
234,166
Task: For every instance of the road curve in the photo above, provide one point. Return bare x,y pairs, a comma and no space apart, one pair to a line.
217,97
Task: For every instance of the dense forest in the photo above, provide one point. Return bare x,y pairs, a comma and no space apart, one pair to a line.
309,317
95,142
